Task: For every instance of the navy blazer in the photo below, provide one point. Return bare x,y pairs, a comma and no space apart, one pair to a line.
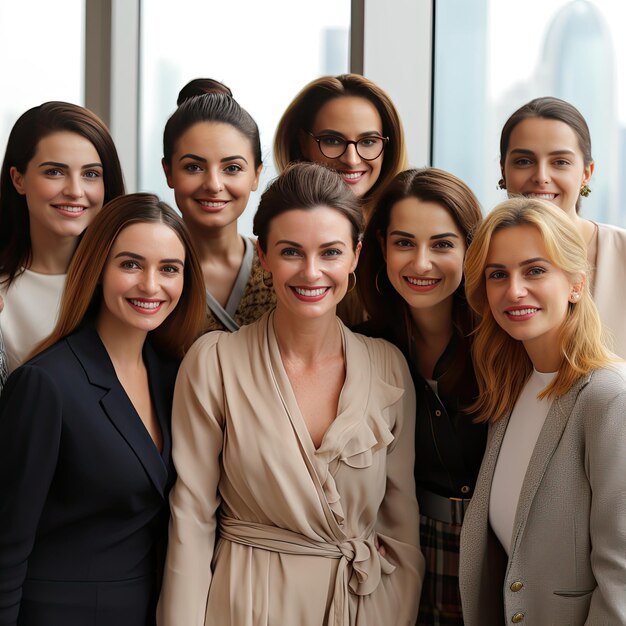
84,489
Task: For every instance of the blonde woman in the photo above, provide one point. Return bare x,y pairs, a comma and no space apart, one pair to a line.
551,485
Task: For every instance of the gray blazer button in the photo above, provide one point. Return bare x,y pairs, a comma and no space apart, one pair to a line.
517,618
517,586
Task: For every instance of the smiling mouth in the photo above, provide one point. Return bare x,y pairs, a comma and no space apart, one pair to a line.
520,315
541,196
212,205
312,294
421,284
351,177
145,306
70,209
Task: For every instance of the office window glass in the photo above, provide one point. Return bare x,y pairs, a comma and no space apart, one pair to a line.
491,57
264,51
42,52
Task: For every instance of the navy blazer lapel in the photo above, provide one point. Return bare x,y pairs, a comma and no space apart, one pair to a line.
548,440
91,353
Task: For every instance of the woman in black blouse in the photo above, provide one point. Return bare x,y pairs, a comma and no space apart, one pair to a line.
410,277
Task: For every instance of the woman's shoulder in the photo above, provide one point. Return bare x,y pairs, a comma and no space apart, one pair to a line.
611,234
384,356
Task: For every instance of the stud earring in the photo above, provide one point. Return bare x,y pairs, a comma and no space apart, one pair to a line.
585,190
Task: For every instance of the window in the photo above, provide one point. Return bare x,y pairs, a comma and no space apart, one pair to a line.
39,62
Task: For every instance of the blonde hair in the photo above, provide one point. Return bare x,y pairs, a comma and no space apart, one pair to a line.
300,114
501,363
82,296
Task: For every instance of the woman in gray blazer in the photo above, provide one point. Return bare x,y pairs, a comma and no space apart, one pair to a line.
552,484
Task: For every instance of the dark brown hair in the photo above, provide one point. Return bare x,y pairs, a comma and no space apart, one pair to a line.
382,302
549,108
82,297
307,186
211,107
30,128
201,86
300,115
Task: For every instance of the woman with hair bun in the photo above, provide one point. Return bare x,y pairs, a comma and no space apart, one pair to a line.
85,463
545,153
212,161
295,500
60,167
544,538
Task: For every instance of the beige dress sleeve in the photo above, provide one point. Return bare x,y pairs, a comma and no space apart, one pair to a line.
197,424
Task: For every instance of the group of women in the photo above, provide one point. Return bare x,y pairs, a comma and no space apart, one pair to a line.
449,450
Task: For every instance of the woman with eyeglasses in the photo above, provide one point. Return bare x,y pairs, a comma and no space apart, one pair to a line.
349,124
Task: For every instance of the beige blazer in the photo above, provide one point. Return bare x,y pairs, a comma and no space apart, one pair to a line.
609,290
573,499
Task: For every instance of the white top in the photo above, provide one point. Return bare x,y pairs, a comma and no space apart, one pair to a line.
31,308
522,432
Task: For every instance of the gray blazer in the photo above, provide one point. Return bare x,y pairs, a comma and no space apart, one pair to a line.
573,499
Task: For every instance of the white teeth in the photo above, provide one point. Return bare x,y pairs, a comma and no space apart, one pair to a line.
351,175
212,205
310,293
541,196
520,312
422,282
70,209
145,305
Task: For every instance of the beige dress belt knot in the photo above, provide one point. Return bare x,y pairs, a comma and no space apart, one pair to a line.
360,568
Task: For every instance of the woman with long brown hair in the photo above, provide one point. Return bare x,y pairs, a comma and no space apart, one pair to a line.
59,168
411,279
85,446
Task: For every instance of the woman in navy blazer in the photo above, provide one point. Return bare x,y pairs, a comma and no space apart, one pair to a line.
85,465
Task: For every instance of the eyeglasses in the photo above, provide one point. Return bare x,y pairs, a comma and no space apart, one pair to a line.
334,146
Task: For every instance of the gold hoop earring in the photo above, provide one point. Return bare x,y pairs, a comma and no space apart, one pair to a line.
585,190
376,280
353,286
264,274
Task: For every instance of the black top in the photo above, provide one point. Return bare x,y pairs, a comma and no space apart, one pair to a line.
449,446
84,489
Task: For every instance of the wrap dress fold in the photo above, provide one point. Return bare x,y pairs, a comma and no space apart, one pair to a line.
268,530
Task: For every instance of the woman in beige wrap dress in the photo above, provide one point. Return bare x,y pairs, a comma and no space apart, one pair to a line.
293,441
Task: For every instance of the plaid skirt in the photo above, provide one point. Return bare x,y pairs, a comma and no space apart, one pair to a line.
440,604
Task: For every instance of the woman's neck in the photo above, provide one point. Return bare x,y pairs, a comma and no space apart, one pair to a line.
218,244
123,344
51,254
432,329
307,340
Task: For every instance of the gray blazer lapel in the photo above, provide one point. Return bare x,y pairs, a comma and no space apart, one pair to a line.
549,439
480,500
